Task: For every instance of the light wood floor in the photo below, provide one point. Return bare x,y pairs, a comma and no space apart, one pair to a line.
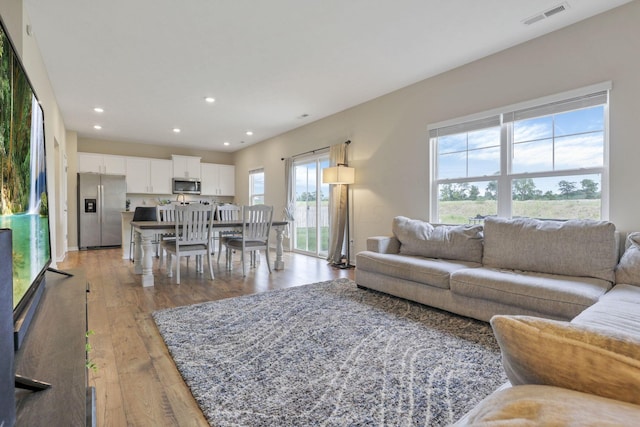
136,381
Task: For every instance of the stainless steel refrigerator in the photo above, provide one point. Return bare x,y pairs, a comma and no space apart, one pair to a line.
101,199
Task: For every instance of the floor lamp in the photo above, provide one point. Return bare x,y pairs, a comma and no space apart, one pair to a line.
344,175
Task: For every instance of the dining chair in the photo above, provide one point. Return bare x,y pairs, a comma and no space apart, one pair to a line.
141,213
227,213
165,213
256,227
193,237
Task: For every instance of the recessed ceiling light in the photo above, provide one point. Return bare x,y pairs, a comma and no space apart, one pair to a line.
226,143
97,127
176,130
249,133
98,110
210,99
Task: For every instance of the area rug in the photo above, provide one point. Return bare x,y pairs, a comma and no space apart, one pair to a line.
330,354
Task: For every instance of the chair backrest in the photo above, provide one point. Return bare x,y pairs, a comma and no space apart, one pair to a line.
145,213
166,213
194,224
228,212
257,222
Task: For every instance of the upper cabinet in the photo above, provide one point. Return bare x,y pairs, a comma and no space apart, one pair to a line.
160,176
154,176
186,166
138,175
217,180
102,163
148,176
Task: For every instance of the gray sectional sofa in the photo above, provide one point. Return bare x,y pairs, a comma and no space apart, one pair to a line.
564,310
551,269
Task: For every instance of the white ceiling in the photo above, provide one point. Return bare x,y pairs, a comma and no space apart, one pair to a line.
150,63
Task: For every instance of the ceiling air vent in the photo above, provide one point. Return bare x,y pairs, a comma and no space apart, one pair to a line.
547,13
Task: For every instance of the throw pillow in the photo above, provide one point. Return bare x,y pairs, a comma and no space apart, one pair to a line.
562,354
628,270
457,242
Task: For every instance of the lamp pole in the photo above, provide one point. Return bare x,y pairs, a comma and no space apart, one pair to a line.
344,175
347,264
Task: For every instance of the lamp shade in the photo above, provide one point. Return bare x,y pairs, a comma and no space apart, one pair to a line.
338,175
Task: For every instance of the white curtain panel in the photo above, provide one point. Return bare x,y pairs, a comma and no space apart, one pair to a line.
337,207
290,191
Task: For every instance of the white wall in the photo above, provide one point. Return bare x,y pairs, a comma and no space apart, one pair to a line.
16,20
389,134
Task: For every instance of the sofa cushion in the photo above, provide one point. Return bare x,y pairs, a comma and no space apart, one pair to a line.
458,242
546,406
574,248
563,354
561,297
628,270
618,310
433,272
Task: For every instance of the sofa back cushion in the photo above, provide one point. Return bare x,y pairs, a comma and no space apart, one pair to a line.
585,248
458,242
628,270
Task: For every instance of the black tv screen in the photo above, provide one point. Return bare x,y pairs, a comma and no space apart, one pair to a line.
23,190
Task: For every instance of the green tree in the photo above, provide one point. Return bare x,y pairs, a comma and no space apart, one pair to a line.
524,189
474,192
589,188
307,197
454,192
491,191
567,188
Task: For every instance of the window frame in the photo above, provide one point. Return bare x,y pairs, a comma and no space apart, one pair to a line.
252,193
506,177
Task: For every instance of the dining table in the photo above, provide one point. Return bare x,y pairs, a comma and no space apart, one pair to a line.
146,231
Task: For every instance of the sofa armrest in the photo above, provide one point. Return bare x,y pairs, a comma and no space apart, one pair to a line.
383,244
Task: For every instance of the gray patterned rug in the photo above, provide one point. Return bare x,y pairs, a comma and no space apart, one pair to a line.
330,354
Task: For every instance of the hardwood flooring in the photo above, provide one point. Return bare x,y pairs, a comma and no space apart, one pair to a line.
136,382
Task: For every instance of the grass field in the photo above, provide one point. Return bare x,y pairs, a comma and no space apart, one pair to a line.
459,212
302,233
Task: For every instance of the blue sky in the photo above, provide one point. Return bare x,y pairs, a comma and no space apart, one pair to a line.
565,141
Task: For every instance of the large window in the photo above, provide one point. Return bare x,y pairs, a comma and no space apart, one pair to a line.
256,186
541,159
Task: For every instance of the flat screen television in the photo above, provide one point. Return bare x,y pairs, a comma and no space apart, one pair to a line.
23,185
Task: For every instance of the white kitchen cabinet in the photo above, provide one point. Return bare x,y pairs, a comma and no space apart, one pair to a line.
138,175
148,176
160,175
217,180
186,166
227,182
102,163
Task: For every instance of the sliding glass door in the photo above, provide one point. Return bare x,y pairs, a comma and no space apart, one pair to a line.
311,225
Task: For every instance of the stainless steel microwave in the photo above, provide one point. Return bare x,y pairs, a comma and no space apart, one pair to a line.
186,186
